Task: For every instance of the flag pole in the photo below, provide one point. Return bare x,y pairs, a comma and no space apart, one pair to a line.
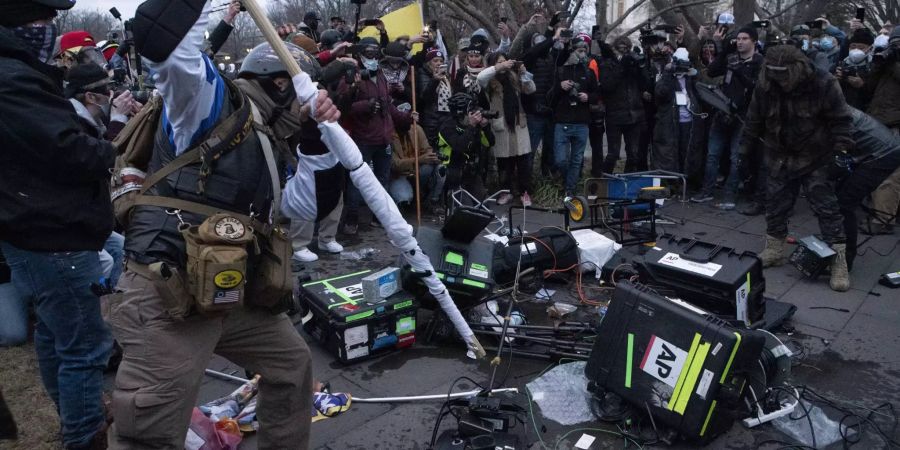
415,138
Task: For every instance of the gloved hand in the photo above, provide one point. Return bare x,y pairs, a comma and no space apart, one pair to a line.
375,105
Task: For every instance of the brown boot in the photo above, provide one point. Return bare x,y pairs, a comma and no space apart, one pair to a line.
840,276
773,255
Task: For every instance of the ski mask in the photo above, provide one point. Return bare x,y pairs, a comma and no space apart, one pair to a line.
856,56
38,39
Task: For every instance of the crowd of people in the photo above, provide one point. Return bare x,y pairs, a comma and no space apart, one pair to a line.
746,119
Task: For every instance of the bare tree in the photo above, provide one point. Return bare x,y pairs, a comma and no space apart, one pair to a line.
95,21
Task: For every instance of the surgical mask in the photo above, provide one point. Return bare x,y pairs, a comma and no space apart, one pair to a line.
538,39
39,40
370,64
856,56
805,46
826,45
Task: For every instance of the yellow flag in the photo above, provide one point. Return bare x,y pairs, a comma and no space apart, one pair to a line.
404,21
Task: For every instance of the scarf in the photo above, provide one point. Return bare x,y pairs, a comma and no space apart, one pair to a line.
508,83
38,40
470,80
284,121
443,94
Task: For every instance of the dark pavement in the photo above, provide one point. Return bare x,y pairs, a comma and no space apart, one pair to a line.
849,356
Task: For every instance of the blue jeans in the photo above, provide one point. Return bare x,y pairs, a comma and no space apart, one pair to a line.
540,129
571,139
720,136
112,257
71,340
431,181
13,316
379,158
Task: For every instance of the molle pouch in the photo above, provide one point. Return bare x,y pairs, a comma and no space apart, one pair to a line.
271,284
217,262
173,289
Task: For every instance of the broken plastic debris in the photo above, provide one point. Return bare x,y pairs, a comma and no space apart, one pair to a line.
562,394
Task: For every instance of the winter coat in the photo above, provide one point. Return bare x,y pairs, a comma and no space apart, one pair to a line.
564,111
366,126
540,63
620,85
885,104
54,177
427,104
739,77
665,132
404,158
801,130
508,141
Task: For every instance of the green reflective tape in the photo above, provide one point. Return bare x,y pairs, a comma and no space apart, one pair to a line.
439,275
336,278
629,360
479,266
708,416
730,358
406,325
454,258
346,298
361,315
477,284
402,305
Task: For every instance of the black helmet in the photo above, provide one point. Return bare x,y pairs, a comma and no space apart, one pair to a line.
460,104
330,37
263,61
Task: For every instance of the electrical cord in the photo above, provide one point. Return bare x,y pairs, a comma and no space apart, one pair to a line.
447,404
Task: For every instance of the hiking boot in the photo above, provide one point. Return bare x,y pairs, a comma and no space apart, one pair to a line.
702,197
752,209
773,255
840,276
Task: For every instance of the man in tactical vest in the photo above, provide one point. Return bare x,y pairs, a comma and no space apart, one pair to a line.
203,246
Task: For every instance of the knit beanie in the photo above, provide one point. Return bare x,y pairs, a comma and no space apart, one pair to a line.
18,12
862,36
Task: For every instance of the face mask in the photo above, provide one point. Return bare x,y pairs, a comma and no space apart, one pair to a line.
856,56
370,64
826,44
805,45
39,40
538,39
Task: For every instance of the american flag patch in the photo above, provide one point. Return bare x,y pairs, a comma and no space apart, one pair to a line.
226,297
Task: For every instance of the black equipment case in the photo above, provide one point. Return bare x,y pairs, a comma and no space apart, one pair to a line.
465,268
715,278
549,248
688,369
352,328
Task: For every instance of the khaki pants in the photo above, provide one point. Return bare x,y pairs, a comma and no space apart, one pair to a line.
301,232
886,198
164,361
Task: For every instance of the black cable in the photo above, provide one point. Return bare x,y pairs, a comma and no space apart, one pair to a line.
446,404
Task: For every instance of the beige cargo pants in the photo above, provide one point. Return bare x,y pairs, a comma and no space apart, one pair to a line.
887,196
164,361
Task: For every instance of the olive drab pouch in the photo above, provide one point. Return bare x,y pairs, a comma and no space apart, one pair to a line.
271,284
173,289
217,262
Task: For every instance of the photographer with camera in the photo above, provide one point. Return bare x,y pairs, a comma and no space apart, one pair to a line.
504,81
538,58
432,172
372,118
678,133
854,71
621,84
740,64
462,144
570,98
103,111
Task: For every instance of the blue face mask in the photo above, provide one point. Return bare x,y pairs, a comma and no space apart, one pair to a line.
805,46
826,45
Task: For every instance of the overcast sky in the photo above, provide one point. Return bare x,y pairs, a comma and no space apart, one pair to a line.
127,7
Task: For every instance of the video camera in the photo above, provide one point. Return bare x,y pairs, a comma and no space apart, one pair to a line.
574,93
490,115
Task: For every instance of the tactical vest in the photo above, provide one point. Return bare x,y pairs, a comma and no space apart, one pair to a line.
238,181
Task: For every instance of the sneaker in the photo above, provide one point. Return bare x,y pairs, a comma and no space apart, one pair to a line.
350,229
304,255
526,200
725,206
330,247
752,209
504,199
701,198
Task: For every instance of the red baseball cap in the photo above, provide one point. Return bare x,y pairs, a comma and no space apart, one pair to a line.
73,41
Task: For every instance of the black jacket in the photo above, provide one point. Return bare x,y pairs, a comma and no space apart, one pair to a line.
566,109
538,59
622,82
740,77
54,178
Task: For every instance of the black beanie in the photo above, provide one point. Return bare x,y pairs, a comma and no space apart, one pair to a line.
862,36
751,31
17,12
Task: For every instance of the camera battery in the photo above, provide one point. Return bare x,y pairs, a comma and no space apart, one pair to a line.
381,284
812,256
